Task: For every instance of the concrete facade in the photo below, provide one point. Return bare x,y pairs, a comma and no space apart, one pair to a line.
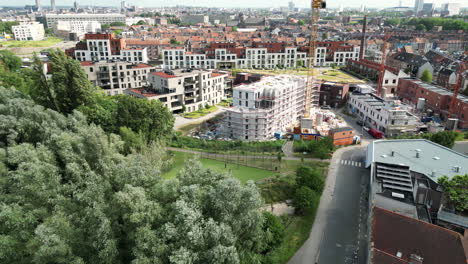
116,76
188,90
265,107
28,31
52,19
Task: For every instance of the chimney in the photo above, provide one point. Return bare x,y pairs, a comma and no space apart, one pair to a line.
392,153
415,259
363,40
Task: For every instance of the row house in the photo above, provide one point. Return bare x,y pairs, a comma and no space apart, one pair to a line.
185,90
105,46
259,56
116,76
436,99
371,70
410,63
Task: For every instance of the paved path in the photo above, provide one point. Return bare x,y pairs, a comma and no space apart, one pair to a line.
288,149
205,154
338,215
181,121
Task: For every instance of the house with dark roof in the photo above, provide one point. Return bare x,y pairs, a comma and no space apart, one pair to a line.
399,239
411,63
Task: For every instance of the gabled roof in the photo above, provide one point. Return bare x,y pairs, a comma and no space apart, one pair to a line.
412,59
163,74
392,233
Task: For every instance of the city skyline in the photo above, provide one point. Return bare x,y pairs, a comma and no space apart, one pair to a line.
226,3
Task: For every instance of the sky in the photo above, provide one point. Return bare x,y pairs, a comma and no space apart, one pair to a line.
227,3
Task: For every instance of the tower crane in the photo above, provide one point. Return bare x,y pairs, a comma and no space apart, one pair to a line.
311,90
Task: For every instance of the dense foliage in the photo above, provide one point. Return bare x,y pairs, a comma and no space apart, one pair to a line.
11,73
6,26
312,178
444,138
446,23
426,76
226,146
67,195
456,190
317,148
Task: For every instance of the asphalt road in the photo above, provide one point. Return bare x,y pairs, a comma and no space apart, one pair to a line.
338,234
344,235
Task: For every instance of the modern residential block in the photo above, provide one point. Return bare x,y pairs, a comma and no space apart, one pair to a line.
28,31
265,107
116,76
52,19
185,90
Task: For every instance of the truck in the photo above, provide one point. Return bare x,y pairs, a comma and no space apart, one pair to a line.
375,133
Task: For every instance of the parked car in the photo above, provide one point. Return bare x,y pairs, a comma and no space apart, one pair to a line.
326,107
360,122
375,133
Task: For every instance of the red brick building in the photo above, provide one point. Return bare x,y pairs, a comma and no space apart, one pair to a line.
437,98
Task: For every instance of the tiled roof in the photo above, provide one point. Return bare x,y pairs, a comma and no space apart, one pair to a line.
163,74
86,63
392,233
380,257
141,65
217,74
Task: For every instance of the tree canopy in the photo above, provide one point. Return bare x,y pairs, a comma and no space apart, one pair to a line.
456,190
68,195
426,76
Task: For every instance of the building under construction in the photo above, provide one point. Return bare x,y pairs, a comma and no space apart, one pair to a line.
272,104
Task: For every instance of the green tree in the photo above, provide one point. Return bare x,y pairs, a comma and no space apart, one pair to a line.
10,60
175,42
456,190
234,29
444,138
304,198
306,176
132,141
274,231
141,22
301,22
421,27
151,118
68,87
117,31
426,76
105,27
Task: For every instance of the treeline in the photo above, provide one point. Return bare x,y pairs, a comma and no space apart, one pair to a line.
6,26
444,138
429,23
320,149
237,146
67,89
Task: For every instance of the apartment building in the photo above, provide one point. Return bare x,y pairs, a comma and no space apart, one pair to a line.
262,108
116,76
185,90
28,31
52,19
387,115
435,98
264,55
105,46
75,30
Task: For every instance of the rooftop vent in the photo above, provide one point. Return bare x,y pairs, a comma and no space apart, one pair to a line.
456,169
436,158
399,254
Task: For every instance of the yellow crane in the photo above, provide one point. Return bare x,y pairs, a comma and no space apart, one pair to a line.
311,88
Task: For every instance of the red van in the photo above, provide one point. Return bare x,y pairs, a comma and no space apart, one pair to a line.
375,133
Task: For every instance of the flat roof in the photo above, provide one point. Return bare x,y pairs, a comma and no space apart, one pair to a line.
434,160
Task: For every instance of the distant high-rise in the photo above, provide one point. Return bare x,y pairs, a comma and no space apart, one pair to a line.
418,6
400,4
450,9
75,7
291,6
123,6
38,5
52,5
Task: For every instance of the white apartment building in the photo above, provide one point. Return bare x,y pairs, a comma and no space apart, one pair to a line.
64,28
28,31
265,107
133,20
389,116
185,90
100,49
259,58
116,76
52,19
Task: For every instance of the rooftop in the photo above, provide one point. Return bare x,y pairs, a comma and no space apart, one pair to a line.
437,89
434,160
392,233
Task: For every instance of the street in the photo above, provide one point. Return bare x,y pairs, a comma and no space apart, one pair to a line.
338,234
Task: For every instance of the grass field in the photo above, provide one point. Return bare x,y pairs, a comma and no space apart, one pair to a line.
201,112
27,44
242,173
325,74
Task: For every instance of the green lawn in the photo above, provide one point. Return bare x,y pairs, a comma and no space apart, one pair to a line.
201,112
327,74
226,103
242,173
50,41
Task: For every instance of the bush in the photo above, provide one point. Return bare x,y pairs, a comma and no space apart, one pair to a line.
304,198
317,148
306,176
274,230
